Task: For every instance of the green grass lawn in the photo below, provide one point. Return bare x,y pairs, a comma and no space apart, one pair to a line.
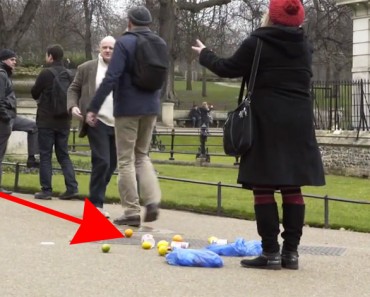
221,96
235,202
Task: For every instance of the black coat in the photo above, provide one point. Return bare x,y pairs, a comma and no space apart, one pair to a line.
8,102
41,91
284,150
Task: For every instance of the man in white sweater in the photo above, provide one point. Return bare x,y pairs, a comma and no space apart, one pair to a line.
88,77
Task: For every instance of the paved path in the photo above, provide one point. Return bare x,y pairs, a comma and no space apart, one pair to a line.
29,268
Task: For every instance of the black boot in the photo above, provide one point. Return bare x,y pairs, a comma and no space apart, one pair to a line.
293,221
267,219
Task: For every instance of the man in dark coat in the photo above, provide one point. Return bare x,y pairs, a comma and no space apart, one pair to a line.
9,120
135,111
284,154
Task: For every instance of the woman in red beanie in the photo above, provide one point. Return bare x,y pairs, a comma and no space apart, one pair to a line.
284,155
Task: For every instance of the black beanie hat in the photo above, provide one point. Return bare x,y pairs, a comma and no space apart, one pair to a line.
139,16
6,54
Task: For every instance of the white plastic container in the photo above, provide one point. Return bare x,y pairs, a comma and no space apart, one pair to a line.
148,238
179,244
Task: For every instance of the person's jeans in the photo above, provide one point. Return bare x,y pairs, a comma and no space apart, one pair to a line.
59,139
103,160
133,135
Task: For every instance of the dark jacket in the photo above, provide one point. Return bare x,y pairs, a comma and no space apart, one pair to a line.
128,100
194,113
41,91
284,149
204,115
8,102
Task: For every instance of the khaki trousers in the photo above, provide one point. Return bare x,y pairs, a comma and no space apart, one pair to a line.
133,136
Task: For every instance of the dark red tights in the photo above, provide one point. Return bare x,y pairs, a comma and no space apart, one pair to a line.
290,195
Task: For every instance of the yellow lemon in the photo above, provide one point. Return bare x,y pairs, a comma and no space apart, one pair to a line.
146,245
129,232
163,242
105,248
162,250
177,237
212,239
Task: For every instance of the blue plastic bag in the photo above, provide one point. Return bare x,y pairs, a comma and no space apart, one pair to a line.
194,258
239,248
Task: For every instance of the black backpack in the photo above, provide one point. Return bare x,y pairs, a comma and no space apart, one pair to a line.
58,96
150,65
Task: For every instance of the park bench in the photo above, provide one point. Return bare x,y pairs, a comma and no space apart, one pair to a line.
181,118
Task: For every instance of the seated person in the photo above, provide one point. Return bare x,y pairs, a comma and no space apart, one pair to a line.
194,115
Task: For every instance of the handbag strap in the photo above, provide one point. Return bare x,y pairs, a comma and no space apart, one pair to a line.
252,78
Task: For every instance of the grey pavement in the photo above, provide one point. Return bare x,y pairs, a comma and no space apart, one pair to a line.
332,262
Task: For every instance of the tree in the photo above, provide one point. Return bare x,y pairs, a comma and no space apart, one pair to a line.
329,28
12,33
167,14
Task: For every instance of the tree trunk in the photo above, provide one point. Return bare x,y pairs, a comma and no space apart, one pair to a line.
88,19
204,82
9,38
189,75
166,31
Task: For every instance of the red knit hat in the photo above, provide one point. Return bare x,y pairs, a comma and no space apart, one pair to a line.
286,12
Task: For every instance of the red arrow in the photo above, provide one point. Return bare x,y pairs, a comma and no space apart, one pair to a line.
94,226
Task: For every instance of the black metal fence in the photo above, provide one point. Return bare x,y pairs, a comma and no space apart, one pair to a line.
341,105
218,195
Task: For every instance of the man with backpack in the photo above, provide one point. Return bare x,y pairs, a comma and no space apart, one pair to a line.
101,137
54,122
136,73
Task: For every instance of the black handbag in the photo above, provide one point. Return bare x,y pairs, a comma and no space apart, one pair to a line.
238,132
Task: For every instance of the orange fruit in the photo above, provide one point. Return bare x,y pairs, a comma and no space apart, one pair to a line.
177,237
129,232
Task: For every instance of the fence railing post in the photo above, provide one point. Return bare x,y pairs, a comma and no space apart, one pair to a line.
172,144
326,212
74,139
16,177
219,199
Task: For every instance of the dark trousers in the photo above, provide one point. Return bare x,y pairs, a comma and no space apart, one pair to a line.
195,122
103,160
57,138
18,124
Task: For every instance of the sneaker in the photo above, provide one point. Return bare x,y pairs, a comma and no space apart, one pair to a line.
68,195
43,195
32,163
2,190
104,213
133,221
152,212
